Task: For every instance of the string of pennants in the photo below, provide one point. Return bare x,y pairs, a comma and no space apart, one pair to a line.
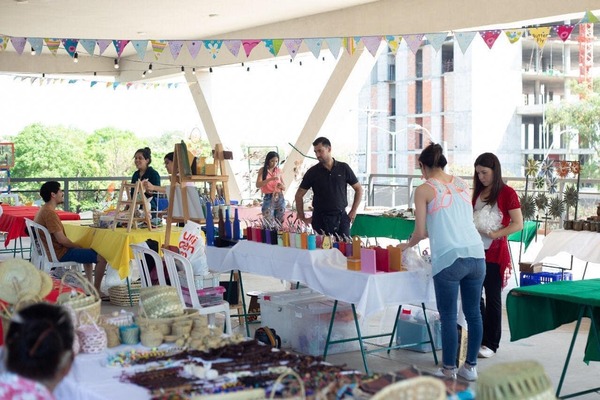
95,83
213,47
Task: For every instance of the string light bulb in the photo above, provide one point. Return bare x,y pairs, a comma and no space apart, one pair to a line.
32,51
182,68
275,66
116,63
149,69
210,70
300,63
248,69
75,58
242,63
95,73
144,74
43,75
194,70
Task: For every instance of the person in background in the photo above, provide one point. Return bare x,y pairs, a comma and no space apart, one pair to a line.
149,187
328,180
270,183
38,352
497,214
443,212
142,159
64,248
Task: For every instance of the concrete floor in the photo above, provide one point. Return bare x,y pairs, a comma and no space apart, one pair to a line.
549,348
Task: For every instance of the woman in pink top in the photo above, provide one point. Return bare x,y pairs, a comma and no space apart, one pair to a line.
270,183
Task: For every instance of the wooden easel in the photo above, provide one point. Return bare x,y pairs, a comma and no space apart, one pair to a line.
126,209
182,174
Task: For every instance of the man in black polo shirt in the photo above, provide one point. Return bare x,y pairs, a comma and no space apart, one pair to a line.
328,180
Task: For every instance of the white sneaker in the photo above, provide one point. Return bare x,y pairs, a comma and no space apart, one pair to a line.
445,373
468,372
485,352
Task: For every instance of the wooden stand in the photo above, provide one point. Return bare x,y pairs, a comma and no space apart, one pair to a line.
126,209
182,175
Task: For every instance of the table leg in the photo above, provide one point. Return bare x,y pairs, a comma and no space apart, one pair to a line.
582,310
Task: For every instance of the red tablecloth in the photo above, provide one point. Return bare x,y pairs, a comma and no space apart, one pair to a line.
12,220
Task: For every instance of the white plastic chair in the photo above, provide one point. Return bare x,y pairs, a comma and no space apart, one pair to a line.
140,251
176,262
43,255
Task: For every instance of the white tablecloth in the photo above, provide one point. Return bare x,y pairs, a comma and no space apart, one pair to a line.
583,245
325,271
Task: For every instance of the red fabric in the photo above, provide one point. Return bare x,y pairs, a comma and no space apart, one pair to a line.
498,252
51,298
12,220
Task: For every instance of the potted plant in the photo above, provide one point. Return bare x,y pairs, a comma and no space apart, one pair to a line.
570,196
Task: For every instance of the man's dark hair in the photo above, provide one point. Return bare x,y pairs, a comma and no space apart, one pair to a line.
47,189
321,140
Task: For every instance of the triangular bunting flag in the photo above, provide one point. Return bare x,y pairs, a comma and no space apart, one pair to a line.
334,45
213,47
464,39
158,46
564,31
436,40
489,37
249,45
393,42
93,83
273,45
349,45
540,35
120,46
292,45
4,42
115,85
588,18
513,35
372,43
103,45
88,45
18,44
140,47
37,44
52,44
314,45
413,42
70,46
193,47
233,46
175,47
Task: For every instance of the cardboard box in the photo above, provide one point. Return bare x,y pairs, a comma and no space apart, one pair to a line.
529,267
210,169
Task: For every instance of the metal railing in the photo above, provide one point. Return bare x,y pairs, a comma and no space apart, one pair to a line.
397,190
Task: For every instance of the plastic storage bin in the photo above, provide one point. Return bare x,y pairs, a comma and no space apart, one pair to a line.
275,311
415,331
201,281
311,323
534,278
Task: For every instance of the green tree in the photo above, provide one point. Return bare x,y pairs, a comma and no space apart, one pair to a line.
583,116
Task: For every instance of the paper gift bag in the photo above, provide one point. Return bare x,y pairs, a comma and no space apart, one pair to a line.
356,246
367,261
353,264
382,262
395,258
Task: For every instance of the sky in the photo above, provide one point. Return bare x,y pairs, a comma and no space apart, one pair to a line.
264,106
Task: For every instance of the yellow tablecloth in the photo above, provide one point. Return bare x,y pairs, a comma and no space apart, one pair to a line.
114,244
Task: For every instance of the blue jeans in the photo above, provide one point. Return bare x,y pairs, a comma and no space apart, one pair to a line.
83,256
466,274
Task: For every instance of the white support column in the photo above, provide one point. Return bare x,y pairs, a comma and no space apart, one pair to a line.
210,128
318,115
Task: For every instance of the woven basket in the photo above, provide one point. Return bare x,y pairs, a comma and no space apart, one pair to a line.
119,296
130,334
290,372
89,301
92,337
160,302
146,323
515,380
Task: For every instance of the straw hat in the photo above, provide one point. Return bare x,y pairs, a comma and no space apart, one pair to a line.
47,284
19,279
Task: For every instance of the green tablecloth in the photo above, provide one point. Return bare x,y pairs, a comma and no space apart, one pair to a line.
382,226
530,228
540,308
